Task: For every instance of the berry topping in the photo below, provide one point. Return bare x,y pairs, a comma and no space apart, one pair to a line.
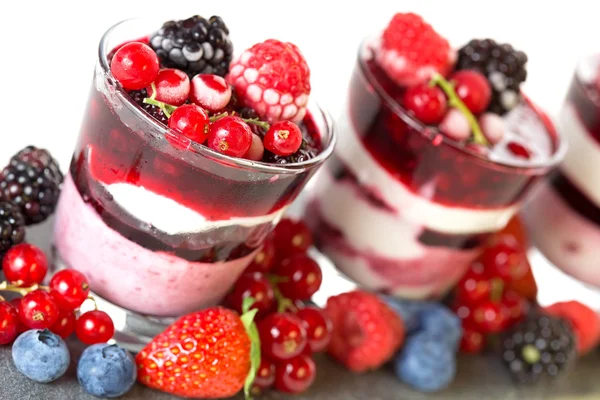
41,356
584,321
295,375
283,138
473,89
106,371
505,258
282,336
9,322
291,237
194,45
140,97
256,150
135,65
94,327
32,182
191,121
230,135
38,310
172,87
319,328
366,333
412,51
456,126
273,78
210,92
69,289
65,324
492,126
25,265
265,258
519,150
256,286
12,227
300,275
503,66
427,103
265,375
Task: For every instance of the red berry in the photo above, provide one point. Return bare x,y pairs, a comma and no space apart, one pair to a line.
94,327
473,89
295,375
210,92
255,285
464,312
25,265
490,317
264,259
475,287
282,336
172,87
65,324
492,126
505,258
16,303
427,103
38,310
265,375
517,306
191,121
230,136
456,126
472,342
519,150
135,65
283,138
9,322
584,320
300,277
319,328
256,150
291,237
69,289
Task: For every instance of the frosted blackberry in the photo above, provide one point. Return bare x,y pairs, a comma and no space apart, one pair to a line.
540,348
31,182
194,45
12,227
138,96
504,67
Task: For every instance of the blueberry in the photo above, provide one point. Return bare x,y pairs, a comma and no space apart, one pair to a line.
442,323
106,370
408,310
40,355
425,363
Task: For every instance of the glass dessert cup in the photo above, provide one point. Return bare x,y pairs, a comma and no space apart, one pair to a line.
402,209
160,225
563,219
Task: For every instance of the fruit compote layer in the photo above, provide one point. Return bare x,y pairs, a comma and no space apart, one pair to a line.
564,219
160,226
401,208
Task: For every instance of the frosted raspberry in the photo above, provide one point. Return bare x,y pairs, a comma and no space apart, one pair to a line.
411,50
273,78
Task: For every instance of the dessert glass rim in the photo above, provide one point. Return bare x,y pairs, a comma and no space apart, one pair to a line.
328,138
560,149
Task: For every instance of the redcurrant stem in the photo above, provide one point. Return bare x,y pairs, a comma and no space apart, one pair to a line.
283,304
166,108
253,121
497,290
456,102
7,287
93,301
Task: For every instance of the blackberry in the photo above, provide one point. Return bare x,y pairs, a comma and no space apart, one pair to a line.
539,348
31,182
12,227
138,96
304,153
194,45
504,67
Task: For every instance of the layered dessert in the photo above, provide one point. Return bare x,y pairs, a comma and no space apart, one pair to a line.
564,219
186,159
438,148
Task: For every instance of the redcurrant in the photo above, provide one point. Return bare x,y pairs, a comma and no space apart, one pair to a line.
427,103
210,92
295,375
318,326
69,288
283,138
490,317
299,277
255,285
25,265
230,136
519,150
172,87
9,318
135,65
472,341
264,259
505,258
191,121
291,237
473,89
256,150
65,324
16,303
265,375
282,336
38,310
517,306
94,327
475,286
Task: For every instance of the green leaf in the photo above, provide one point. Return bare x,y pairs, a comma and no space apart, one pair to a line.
252,331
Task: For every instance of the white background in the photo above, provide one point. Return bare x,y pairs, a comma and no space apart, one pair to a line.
48,48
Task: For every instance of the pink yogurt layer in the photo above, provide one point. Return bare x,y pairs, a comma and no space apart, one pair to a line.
566,238
131,276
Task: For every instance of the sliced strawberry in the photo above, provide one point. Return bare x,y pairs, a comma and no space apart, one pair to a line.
584,320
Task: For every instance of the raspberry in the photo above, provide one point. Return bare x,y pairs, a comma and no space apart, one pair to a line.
585,323
411,50
366,332
273,78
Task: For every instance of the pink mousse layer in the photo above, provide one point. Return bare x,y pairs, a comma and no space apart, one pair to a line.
566,238
130,276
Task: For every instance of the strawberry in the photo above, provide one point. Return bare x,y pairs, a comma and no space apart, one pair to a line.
366,332
412,51
208,354
273,78
584,320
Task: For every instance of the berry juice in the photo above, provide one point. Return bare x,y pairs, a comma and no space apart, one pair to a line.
403,209
159,224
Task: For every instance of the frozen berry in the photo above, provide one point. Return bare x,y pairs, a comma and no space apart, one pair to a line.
283,138
282,336
210,92
427,103
295,375
505,258
319,328
94,327
25,265
456,126
256,286
191,121
300,277
230,136
519,150
291,237
135,65
273,78
473,89
256,150
492,126
38,310
69,289
172,87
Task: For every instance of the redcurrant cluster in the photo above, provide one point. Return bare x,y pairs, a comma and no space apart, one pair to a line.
54,307
495,293
280,279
